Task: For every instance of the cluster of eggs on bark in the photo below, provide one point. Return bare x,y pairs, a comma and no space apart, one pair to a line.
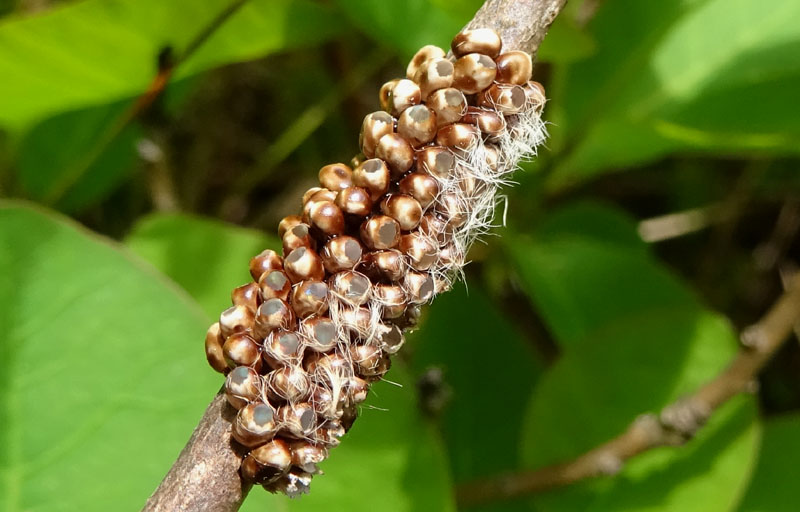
317,325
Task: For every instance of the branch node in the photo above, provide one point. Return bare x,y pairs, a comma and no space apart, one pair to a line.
683,419
752,387
608,464
753,337
648,422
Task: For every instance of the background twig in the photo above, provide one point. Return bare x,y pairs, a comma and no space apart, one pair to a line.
676,423
205,476
167,64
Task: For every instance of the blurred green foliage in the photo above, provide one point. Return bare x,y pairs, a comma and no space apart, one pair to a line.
696,75
97,350
626,311
570,326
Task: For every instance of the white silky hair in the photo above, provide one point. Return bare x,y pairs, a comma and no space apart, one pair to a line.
472,193
473,190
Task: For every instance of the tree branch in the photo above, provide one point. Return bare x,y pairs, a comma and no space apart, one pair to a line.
206,474
522,24
676,424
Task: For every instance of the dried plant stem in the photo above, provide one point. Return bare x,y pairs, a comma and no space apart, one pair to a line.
676,424
205,476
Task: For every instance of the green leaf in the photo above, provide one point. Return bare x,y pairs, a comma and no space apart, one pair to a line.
630,366
579,284
100,51
458,9
393,452
102,372
74,157
407,25
695,75
490,370
585,266
773,487
565,42
635,339
708,474
593,220
6,6
206,257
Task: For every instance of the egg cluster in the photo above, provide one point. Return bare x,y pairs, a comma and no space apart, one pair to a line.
377,239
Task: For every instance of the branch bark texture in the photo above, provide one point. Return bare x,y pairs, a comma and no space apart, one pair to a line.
522,24
676,424
206,475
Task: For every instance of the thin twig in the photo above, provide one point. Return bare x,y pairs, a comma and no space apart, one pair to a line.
206,476
163,193
768,254
522,24
787,272
154,90
676,424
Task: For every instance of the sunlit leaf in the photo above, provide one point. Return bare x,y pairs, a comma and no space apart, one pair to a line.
579,284
634,340
692,75
101,51
207,257
102,369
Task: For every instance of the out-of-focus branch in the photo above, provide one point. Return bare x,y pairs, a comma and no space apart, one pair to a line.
676,423
205,476
677,224
167,65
